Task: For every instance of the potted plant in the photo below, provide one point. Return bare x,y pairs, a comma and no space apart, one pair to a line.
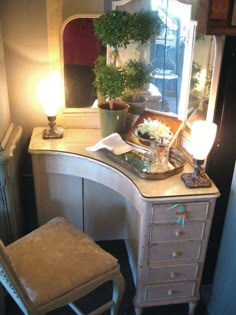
138,75
111,29
118,28
110,84
144,25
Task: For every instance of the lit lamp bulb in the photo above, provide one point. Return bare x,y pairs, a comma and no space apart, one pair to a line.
50,94
202,138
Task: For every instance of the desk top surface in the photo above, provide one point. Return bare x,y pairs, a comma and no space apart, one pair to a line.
75,142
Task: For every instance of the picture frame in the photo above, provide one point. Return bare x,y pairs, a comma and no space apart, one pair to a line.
172,122
219,10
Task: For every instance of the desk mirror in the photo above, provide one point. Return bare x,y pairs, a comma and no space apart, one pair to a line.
186,64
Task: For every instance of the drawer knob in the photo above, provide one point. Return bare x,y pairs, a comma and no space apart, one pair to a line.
174,254
178,233
172,275
170,292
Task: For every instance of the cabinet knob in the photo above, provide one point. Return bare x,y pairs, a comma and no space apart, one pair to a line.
174,254
172,275
170,292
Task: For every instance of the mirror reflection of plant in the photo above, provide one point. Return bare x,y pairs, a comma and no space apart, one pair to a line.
195,79
111,28
118,28
137,74
109,80
144,25
208,80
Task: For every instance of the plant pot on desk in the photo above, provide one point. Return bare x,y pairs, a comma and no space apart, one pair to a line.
113,120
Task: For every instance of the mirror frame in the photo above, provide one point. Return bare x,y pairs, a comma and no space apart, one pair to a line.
89,117
74,117
184,139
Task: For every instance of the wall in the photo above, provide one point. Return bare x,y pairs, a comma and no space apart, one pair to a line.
5,116
27,58
27,54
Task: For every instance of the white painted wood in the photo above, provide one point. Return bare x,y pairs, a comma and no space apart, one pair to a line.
10,209
117,204
194,211
103,207
172,273
170,291
5,117
174,232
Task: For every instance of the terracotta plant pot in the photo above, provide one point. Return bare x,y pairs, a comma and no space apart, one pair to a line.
113,120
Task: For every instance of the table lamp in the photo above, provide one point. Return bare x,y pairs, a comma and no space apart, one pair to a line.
50,94
202,138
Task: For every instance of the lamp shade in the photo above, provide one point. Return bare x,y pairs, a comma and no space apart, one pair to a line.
202,138
50,93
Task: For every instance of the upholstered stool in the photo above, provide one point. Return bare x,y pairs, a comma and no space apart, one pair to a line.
56,265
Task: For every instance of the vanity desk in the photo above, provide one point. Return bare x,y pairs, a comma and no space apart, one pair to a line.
165,225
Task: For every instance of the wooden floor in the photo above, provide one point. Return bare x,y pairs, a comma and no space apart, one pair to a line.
116,248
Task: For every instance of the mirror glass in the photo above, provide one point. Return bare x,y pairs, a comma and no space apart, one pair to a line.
80,51
183,61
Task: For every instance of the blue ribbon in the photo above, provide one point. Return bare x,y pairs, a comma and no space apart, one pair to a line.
181,209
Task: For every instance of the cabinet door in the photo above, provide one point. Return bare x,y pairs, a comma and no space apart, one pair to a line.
59,195
104,212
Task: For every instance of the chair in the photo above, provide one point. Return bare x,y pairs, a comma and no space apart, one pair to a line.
56,265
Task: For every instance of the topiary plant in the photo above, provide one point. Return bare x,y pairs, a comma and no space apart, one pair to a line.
111,28
109,80
144,25
137,74
118,28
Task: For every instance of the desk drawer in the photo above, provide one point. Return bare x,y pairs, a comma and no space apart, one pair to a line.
174,252
175,232
172,273
170,291
194,211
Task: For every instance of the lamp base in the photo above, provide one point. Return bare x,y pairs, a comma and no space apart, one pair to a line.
53,133
192,181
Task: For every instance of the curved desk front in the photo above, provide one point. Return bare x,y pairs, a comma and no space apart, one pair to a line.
104,199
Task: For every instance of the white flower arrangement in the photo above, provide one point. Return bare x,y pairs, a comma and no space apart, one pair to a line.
154,130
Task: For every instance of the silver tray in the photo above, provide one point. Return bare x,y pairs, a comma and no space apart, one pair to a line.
133,161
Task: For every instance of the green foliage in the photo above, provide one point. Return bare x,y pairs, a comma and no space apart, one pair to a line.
144,25
118,28
137,74
196,69
111,28
109,80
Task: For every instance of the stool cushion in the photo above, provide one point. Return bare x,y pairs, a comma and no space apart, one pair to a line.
56,258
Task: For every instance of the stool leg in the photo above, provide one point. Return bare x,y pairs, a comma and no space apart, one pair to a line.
118,291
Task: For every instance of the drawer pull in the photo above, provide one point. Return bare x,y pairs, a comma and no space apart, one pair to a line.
181,214
174,254
178,233
173,275
170,292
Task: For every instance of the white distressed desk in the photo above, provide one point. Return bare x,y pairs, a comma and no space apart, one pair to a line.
166,258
